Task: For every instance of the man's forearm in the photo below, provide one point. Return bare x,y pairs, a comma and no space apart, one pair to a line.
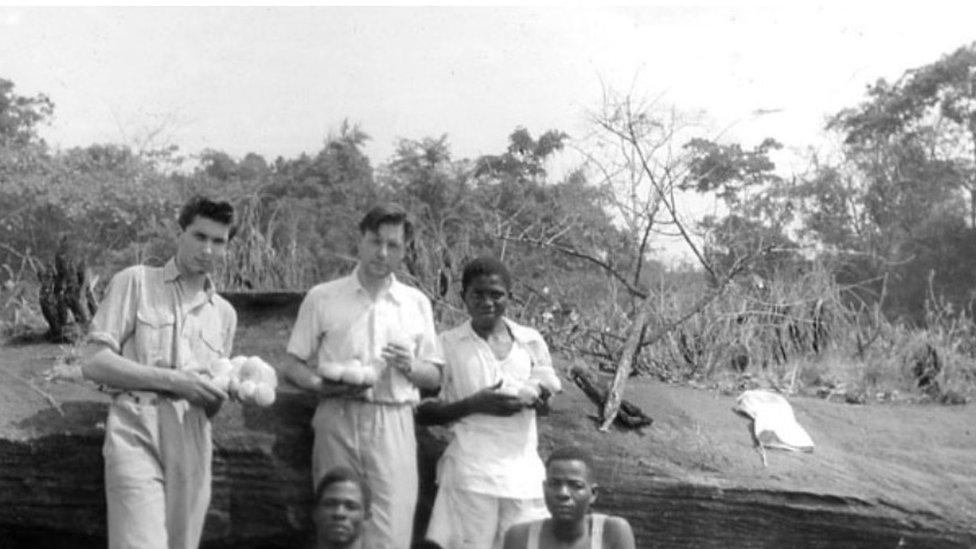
425,375
435,412
300,375
106,367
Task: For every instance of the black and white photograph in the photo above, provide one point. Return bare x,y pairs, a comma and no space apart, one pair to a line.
461,276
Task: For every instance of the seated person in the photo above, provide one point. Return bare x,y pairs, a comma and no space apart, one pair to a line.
342,505
569,491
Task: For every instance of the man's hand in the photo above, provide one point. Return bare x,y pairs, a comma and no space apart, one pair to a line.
199,391
399,356
491,402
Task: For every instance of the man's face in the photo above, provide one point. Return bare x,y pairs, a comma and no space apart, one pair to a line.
568,490
340,514
486,298
381,251
201,245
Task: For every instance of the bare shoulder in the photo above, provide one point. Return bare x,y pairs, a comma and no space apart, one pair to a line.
617,533
517,536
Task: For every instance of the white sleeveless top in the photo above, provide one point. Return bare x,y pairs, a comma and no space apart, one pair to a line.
596,532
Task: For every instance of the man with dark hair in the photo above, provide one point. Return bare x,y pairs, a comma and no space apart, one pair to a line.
570,490
221,212
155,329
342,504
490,475
388,327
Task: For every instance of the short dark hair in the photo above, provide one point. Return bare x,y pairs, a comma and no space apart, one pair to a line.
344,474
387,214
220,211
485,266
573,453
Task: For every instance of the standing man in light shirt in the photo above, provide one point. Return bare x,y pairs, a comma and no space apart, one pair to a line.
154,328
388,326
490,476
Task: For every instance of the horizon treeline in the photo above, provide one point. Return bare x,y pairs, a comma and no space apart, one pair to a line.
889,219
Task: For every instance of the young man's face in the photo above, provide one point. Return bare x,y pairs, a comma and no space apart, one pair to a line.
568,490
381,251
340,514
201,245
486,298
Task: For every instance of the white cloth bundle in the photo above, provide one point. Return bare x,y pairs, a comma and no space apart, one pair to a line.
774,424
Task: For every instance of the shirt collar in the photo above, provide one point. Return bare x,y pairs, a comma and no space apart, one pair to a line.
172,274
519,333
394,288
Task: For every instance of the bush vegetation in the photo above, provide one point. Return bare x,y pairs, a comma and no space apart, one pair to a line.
849,281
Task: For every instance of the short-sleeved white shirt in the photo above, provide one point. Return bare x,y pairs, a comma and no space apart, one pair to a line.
148,317
492,455
338,320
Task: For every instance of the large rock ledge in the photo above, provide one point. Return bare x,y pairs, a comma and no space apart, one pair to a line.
881,476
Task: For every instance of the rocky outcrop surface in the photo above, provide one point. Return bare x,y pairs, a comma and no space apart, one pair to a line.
881,476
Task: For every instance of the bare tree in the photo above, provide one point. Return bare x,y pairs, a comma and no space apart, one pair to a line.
639,155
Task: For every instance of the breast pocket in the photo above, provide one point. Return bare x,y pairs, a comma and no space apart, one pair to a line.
154,337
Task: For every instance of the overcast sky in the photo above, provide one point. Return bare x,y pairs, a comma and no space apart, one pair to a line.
276,80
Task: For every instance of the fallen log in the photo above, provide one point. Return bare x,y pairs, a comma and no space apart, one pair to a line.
629,416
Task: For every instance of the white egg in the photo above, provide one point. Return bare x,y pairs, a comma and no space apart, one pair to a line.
353,376
369,376
331,370
264,395
234,387
247,389
222,381
221,367
527,394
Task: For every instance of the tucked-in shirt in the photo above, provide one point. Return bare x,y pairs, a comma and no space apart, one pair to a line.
338,320
492,455
148,316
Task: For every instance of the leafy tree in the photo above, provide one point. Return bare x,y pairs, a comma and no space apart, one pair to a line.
759,203
906,186
20,116
933,106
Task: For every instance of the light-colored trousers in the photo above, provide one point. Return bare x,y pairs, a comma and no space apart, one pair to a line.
157,472
376,441
462,519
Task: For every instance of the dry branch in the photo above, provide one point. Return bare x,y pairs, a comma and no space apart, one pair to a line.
581,255
630,415
611,406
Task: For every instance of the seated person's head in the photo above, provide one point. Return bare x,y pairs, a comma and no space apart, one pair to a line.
569,487
342,504
485,287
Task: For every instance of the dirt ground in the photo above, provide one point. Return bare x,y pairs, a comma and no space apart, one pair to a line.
917,460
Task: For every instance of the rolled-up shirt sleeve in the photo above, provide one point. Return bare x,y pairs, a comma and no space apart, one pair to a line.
448,390
541,360
430,345
114,322
306,332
